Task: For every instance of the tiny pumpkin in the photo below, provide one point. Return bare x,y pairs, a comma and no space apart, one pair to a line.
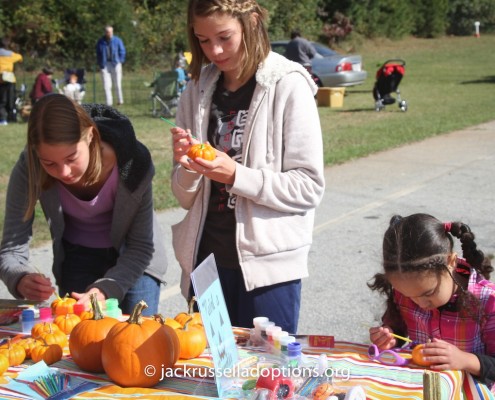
49,353
418,357
14,352
67,322
202,150
4,364
28,344
63,305
323,391
54,336
86,339
42,327
184,317
192,340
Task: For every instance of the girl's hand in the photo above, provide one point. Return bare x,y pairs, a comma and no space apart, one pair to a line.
445,356
382,337
35,287
221,169
84,298
182,141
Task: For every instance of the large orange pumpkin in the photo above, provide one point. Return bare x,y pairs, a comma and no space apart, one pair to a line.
14,352
192,340
183,317
86,339
135,352
174,344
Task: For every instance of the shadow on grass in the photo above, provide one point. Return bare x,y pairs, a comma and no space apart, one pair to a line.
485,79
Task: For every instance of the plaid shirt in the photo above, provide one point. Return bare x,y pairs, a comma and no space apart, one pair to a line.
447,324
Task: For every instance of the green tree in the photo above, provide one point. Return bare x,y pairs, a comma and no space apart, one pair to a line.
462,15
430,20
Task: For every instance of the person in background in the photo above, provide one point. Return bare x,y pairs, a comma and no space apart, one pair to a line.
7,80
74,89
182,78
42,84
299,49
93,179
253,206
110,55
436,297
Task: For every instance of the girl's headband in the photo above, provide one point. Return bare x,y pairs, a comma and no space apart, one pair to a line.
447,226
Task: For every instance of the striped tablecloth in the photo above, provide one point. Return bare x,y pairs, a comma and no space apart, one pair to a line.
349,362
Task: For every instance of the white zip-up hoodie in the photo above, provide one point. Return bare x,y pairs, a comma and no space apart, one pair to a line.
278,184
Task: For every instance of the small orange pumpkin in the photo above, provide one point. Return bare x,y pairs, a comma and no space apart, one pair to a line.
14,352
86,314
63,305
42,327
86,339
28,344
67,322
49,353
202,150
184,317
323,391
418,357
135,351
4,364
54,336
192,340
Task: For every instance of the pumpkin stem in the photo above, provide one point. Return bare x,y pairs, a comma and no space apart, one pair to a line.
159,318
186,324
136,316
97,314
190,305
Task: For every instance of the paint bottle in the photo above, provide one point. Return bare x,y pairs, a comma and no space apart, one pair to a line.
284,343
294,354
46,314
27,320
257,321
277,336
263,327
79,309
270,330
112,308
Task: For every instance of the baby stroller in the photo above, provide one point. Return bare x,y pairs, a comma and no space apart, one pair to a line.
388,78
165,94
74,81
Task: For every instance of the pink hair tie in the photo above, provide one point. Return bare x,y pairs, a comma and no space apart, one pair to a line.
447,226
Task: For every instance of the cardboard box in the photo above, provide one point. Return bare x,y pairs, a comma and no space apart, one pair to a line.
330,97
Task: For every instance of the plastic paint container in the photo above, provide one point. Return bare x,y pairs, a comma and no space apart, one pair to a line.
263,327
79,309
27,320
112,308
270,330
284,342
277,335
46,314
257,321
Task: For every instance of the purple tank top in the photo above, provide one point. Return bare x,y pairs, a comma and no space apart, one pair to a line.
88,223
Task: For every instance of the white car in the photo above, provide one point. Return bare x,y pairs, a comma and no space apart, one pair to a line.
333,69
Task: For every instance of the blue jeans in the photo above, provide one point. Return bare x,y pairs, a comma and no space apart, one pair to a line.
280,303
82,266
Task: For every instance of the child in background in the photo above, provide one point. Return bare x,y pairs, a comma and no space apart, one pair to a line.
432,294
73,89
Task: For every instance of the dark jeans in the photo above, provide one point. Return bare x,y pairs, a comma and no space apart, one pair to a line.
280,303
83,266
6,100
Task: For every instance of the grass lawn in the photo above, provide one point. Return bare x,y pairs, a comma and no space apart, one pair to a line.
448,85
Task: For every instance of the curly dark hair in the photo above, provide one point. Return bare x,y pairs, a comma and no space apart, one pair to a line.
420,243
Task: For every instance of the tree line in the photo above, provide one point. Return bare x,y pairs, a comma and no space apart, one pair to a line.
54,31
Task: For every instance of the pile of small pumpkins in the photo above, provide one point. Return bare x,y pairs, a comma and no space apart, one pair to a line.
132,352
47,339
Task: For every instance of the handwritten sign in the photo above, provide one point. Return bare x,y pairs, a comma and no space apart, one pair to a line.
216,321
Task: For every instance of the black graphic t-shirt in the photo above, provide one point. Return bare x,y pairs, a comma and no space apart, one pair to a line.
228,117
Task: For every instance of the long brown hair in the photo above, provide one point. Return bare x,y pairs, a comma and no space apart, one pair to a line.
56,119
252,18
